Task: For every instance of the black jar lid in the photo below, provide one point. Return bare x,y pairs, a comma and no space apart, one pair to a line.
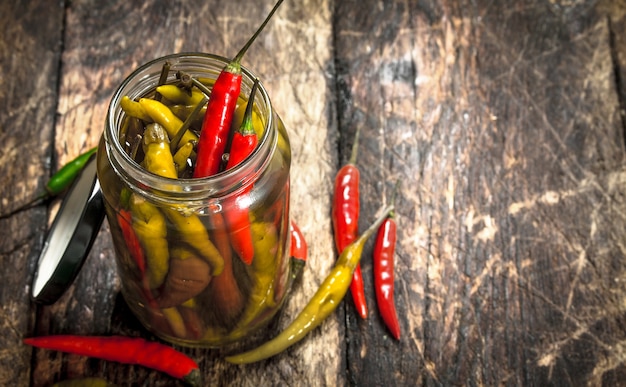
70,237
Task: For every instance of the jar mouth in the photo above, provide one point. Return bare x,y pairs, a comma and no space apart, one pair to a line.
144,80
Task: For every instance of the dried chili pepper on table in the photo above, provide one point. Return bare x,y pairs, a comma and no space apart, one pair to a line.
243,143
126,350
383,257
345,218
219,113
321,305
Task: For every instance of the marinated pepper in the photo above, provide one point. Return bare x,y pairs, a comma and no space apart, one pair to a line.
263,269
158,158
163,115
322,304
187,277
151,230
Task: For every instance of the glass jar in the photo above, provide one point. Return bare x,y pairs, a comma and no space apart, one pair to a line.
179,272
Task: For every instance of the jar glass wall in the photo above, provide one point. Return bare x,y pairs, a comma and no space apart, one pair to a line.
183,273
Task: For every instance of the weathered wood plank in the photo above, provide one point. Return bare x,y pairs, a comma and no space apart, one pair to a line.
30,48
510,151
293,57
616,13
502,121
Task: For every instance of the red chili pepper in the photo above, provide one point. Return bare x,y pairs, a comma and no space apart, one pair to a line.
299,248
225,292
244,141
345,218
384,249
132,242
219,113
127,350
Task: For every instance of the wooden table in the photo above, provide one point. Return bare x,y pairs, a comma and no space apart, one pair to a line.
504,120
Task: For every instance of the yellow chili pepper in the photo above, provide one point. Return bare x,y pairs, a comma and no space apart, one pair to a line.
208,82
182,155
193,232
149,225
178,95
321,305
134,109
175,320
263,271
158,158
163,115
83,382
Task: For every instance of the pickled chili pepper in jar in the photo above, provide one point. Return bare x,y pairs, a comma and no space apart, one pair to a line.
192,287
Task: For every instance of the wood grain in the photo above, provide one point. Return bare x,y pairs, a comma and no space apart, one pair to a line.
510,153
29,61
96,58
504,122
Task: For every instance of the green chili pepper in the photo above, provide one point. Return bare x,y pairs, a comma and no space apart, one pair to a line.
321,305
59,182
66,175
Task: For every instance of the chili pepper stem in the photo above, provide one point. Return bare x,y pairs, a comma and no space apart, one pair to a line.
29,204
219,114
246,128
355,146
235,65
321,305
163,78
181,132
201,87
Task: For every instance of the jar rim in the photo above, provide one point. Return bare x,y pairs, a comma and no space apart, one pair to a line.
187,189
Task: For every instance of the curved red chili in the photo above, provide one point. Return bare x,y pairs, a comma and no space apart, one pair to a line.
132,242
345,218
384,250
219,113
244,141
127,350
